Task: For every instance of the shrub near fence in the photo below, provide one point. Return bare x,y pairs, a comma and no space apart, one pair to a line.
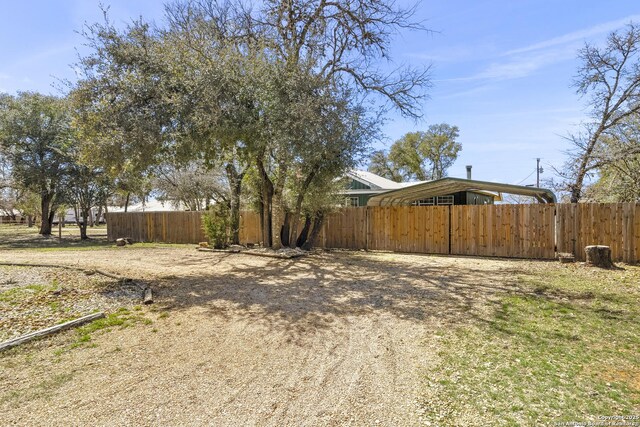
535,231
171,227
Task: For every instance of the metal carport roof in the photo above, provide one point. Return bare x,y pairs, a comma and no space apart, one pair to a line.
444,186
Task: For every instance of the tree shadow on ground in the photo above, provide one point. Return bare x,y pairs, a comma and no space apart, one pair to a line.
319,291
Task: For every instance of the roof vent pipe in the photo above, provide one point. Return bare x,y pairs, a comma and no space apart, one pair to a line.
468,171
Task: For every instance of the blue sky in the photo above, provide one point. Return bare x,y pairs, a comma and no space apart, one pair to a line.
502,70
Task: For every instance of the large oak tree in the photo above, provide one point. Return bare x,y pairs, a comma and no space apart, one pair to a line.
35,136
278,92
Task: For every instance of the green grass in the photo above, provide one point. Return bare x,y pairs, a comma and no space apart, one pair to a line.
565,348
23,237
83,337
18,295
123,318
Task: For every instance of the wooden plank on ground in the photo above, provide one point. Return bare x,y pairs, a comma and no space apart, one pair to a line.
49,331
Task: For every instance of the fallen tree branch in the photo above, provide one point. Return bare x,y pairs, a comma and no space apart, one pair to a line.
113,276
24,264
68,267
148,296
49,331
228,251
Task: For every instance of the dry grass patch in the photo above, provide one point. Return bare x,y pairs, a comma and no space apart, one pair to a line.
33,298
565,348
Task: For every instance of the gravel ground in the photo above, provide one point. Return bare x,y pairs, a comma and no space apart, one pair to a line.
331,339
33,298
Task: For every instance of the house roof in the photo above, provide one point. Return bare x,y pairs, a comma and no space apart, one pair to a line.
444,186
377,182
152,205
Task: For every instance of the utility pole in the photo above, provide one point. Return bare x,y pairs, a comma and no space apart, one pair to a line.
539,170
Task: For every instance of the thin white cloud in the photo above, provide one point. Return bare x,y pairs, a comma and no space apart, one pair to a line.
520,65
523,65
525,61
466,93
576,35
458,53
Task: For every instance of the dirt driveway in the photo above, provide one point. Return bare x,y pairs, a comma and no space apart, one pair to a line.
337,338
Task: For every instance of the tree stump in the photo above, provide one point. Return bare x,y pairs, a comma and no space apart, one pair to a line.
599,256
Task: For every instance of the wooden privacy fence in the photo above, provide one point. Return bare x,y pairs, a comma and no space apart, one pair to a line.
518,231
171,227
168,227
613,224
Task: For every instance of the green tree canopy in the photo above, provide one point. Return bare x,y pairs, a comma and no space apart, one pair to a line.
419,155
618,163
280,92
35,135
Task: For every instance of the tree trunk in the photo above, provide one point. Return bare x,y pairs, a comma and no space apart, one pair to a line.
317,225
52,215
305,232
83,224
278,210
267,238
266,200
298,208
277,221
29,221
585,158
293,228
45,223
235,182
284,231
126,201
576,188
